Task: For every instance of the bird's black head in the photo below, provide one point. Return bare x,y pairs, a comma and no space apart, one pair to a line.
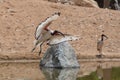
103,35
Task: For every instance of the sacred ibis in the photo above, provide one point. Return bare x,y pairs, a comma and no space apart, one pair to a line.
100,44
44,34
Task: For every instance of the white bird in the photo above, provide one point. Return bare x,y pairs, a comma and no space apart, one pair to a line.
44,34
100,44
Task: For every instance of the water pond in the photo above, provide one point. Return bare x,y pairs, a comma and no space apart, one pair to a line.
87,71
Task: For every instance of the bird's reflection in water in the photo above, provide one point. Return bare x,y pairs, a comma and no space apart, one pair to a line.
60,74
103,74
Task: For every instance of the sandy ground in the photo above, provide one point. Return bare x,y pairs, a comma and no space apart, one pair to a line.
19,19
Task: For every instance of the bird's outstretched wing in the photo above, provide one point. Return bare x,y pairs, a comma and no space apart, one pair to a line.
45,24
59,38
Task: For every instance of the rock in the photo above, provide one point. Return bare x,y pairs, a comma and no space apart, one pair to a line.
60,1
60,74
60,56
115,4
22,79
85,3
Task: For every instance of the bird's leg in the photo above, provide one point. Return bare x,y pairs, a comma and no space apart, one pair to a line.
33,48
101,55
58,32
40,48
36,43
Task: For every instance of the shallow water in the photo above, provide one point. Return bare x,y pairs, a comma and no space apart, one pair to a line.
87,71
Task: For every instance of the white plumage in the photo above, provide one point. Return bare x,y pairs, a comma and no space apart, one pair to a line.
43,34
41,29
59,38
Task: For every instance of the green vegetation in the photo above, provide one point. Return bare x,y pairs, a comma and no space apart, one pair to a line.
115,75
92,76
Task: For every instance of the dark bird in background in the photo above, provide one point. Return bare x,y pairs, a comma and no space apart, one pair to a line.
100,44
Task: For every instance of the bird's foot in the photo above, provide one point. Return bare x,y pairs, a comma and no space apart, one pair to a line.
32,49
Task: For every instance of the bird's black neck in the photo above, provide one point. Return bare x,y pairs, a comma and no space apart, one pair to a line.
57,33
101,38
